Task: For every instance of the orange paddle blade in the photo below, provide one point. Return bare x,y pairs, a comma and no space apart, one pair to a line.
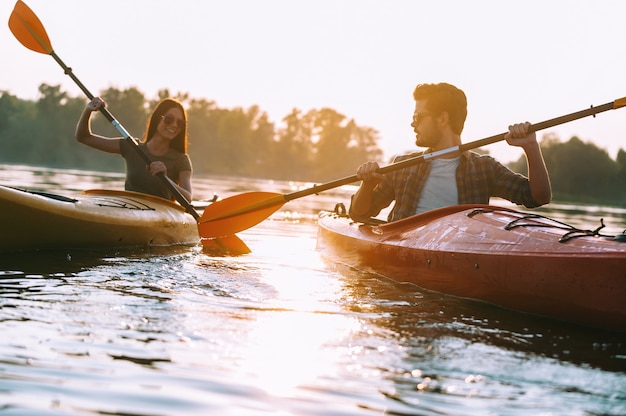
27,28
230,244
238,213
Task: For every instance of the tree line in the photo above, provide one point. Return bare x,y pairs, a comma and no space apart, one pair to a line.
581,171
318,145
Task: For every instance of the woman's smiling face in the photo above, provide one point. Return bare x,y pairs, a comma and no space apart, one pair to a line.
172,122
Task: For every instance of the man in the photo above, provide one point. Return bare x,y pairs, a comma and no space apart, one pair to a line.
468,178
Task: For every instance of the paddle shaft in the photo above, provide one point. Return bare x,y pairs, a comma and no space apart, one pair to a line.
592,111
107,114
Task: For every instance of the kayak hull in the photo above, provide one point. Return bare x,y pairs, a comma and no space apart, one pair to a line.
94,219
492,254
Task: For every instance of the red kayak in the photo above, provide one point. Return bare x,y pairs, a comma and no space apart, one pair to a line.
525,262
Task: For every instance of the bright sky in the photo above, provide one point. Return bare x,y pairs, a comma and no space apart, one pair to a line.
516,61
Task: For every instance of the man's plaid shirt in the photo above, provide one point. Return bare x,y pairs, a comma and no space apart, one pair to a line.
478,178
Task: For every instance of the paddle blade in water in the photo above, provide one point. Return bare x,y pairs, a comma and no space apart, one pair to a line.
238,213
230,244
27,28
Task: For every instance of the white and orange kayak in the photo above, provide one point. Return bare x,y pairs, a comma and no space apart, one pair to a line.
32,220
516,260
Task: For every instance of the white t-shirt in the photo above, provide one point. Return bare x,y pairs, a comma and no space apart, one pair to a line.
440,188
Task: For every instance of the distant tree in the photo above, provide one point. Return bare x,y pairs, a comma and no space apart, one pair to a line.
340,146
129,107
17,127
204,148
292,157
261,140
53,141
331,136
363,146
9,107
579,169
620,171
234,129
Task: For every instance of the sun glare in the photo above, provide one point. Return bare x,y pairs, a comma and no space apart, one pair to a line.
288,350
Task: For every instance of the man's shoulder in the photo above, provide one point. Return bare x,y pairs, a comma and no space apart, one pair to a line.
405,156
480,161
474,156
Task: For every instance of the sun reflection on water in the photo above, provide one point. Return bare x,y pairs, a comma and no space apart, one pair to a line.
288,350
296,323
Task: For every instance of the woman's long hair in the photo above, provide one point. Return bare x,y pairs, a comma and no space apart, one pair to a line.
179,142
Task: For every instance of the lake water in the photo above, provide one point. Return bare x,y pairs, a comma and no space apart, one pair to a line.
280,331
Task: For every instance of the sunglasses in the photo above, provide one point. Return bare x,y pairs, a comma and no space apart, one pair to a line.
418,117
170,119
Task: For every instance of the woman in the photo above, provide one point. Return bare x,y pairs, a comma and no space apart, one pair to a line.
165,144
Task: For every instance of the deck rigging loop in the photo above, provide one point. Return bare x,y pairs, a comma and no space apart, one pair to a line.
340,209
584,233
572,232
125,203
